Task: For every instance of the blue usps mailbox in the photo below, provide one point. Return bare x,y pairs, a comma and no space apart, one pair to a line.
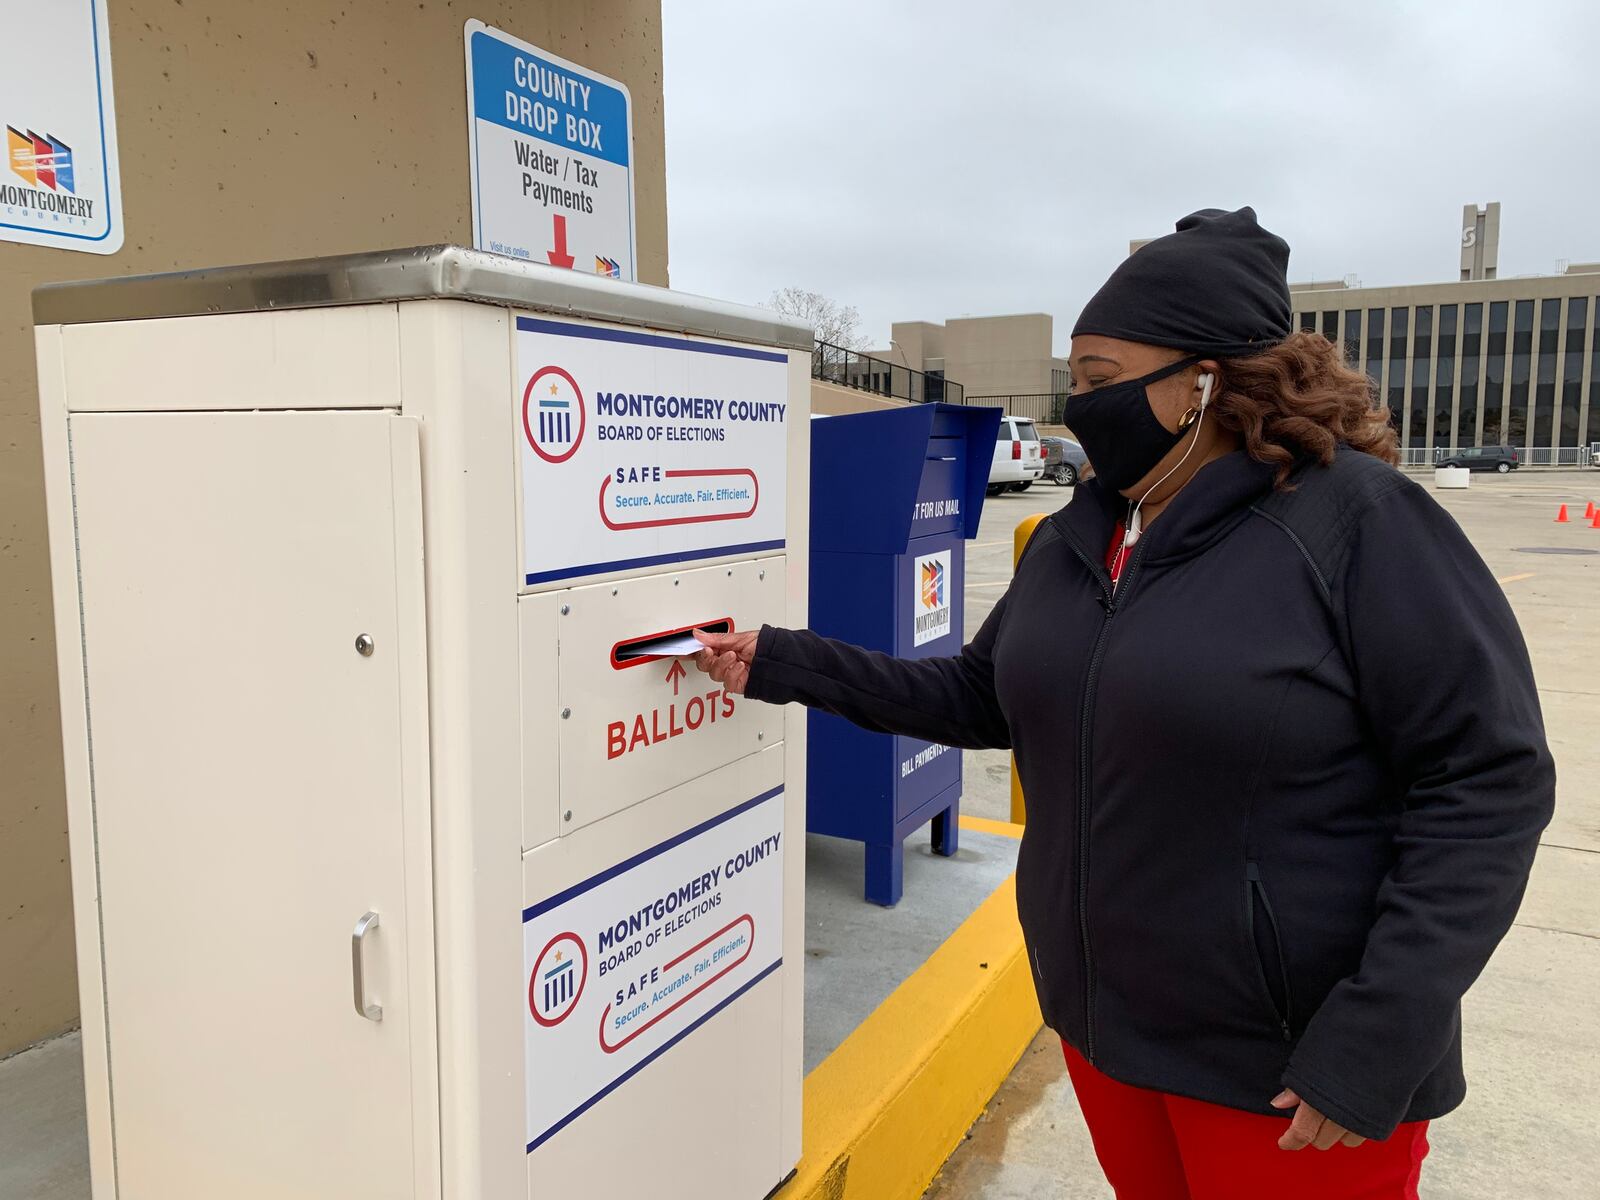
894,494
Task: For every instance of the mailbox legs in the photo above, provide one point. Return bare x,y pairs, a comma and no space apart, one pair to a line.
885,873
947,831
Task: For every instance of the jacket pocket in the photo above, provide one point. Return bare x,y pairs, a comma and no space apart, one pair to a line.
1266,946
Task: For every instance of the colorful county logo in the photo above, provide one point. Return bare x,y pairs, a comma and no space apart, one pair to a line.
41,161
931,612
933,584
553,414
559,974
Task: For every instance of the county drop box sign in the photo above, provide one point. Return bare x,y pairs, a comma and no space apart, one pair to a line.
551,154
641,449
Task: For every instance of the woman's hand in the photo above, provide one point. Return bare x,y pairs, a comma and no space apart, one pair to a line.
1311,1128
727,658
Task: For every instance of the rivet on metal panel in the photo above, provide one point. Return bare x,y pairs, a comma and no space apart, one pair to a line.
565,609
676,582
761,575
760,737
567,816
613,591
365,645
565,713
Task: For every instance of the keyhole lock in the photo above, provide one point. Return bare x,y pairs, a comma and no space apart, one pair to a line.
365,645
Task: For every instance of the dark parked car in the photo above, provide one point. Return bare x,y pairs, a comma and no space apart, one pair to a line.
1064,461
1484,458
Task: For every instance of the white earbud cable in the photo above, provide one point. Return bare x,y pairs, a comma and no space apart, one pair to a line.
1131,535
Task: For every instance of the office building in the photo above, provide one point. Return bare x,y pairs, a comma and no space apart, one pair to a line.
1484,360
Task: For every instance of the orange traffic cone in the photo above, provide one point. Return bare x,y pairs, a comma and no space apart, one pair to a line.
1588,513
1561,515
1595,524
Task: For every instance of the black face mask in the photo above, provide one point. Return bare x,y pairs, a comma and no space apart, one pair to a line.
1118,429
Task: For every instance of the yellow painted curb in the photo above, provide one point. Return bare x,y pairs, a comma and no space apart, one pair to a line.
884,1110
986,825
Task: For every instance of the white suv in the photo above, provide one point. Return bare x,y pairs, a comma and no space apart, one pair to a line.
1018,456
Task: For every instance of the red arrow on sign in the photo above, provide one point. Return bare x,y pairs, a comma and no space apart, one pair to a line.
559,256
674,673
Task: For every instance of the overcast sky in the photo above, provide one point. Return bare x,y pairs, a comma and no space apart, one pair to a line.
930,160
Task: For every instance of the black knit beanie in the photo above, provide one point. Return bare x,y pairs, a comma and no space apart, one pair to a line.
1218,286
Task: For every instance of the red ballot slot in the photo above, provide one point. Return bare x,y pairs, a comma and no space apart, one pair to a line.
666,643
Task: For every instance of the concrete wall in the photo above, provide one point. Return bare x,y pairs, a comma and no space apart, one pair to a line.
996,356
831,400
988,356
247,133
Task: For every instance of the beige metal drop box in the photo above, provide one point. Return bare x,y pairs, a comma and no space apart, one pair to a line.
408,858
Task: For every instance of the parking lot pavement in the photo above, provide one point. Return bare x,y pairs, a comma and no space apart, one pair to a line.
1532,1041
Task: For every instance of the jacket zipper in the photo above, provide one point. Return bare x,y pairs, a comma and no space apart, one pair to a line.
1254,890
1110,601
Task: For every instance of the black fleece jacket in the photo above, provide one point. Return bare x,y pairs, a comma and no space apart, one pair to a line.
1284,782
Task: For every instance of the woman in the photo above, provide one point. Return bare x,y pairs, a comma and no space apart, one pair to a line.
1287,802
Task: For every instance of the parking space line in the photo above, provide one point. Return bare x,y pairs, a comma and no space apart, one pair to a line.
1515,578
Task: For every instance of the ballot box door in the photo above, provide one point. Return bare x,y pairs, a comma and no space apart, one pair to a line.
251,599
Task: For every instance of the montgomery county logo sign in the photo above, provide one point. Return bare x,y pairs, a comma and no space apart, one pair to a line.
930,610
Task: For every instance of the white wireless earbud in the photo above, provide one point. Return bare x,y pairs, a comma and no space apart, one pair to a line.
1205,390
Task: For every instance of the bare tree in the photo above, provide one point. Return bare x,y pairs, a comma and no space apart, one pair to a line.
839,324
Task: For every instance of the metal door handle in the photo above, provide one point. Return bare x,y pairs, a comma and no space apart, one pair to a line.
372,1012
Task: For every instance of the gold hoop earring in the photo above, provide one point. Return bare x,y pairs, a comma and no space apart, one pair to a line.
1188,418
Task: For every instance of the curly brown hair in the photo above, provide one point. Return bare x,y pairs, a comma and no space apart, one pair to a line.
1301,398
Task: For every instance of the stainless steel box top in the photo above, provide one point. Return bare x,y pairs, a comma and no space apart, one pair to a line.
418,273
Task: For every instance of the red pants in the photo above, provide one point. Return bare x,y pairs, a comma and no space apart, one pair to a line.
1153,1146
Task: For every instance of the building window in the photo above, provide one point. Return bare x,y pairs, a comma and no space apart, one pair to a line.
1544,404
1330,326
1399,326
933,387
1308,322
1352,338
1375,347
1494,376
1444,371
1516,430
1421,368
1572,370
1471,343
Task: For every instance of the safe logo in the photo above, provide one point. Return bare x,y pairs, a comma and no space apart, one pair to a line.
556,984
607,266
40,161
553,414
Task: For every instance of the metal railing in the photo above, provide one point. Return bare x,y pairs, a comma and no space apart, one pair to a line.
1043,407
852,369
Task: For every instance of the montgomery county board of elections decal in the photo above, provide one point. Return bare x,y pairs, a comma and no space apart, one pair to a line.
61,185
931,591
622,967
550,147
640,449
